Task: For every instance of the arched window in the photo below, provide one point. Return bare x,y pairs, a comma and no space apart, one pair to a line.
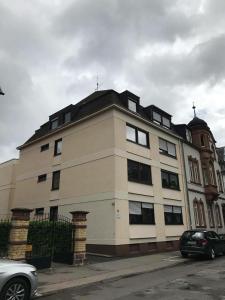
212,174
199,213
218,215
195,207
210,215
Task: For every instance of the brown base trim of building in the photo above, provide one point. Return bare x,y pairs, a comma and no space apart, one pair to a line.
133,249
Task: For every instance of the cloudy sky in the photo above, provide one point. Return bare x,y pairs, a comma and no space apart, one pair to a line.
168,52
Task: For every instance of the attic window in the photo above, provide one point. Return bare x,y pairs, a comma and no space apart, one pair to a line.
161,120
132,105
67,117
54,123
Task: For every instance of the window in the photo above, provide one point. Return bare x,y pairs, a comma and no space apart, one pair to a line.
218,215
55,180
138,172
167,148
67,117
220,183
54,123
39,211
132,105
53,213
199,213
211,216
42,177
211,174
161,120
44,147
137,135
202,137
169,180
194,170
188,136
58,147
205,176
173,215
223,212
141,213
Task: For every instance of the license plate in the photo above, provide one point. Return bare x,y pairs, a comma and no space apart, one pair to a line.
191,242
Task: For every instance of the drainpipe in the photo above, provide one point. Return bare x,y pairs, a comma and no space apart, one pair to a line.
186,185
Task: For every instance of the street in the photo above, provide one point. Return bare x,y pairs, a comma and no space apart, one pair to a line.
199,279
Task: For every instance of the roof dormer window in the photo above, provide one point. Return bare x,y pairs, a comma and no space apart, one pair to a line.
132,105
161,120
54,123
166,122
67,117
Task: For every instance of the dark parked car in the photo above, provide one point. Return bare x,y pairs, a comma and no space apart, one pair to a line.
201,242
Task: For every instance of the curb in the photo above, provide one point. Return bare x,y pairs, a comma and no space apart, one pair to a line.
107,277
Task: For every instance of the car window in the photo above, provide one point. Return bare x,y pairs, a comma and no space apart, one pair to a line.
214,235
195,235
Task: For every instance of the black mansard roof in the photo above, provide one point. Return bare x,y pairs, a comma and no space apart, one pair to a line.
92,104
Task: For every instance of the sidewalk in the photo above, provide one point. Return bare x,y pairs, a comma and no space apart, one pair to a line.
61,277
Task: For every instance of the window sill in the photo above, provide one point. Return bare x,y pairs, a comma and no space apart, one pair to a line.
196,183
57,154
150,184
153,224
174,224
147,147
168,155
169,188
55,189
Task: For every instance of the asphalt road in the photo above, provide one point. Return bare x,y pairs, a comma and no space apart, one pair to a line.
201,279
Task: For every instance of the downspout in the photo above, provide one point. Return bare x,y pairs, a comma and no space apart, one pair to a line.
186,186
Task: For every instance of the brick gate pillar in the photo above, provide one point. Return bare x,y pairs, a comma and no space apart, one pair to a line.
18,233
79,219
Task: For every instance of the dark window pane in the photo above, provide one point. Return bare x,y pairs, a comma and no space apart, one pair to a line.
163,145
55,180
145,173
141,213
166,122
42,177
165,179
156,117
174,181
54,123
132,170
44,147
67,117
39,211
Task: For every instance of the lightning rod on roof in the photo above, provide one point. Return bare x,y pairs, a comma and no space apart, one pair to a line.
1,92
194,108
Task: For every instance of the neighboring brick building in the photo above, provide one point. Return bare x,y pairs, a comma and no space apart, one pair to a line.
205,186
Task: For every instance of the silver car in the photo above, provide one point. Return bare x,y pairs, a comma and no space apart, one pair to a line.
18,281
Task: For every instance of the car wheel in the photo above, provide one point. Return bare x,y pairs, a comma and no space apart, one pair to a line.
212,254
184,255
16,288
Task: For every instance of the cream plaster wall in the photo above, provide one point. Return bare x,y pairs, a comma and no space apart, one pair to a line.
146,193
7,185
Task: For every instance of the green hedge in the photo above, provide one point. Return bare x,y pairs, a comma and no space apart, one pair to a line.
4,237
49,238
